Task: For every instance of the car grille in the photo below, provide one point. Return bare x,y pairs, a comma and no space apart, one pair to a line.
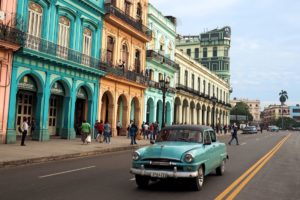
163,167
162,164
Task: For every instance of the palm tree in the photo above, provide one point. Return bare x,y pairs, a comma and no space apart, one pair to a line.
282,98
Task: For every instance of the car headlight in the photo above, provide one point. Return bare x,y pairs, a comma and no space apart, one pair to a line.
188,158
135,155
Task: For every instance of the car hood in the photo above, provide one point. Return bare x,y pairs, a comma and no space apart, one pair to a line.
169,150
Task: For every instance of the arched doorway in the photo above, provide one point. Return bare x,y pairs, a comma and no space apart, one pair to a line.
198,110
27,101
168,114
107,107
208,117
185,111
81,108
192,109
135,111
177,104
203,115
56,108
150,111
122,113
159,108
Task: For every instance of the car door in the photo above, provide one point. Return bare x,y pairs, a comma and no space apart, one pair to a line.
216,149
208,152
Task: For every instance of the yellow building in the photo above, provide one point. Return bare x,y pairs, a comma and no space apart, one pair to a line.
125,35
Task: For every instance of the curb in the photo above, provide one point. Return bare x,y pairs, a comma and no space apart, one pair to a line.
31,161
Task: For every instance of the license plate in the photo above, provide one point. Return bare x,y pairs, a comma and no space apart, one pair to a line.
158,175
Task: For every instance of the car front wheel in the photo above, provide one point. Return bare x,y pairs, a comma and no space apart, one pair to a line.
199,180
142,181
221,169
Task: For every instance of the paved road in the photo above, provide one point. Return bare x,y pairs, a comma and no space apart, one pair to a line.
107,176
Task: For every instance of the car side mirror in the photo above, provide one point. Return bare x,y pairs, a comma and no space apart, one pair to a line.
152,142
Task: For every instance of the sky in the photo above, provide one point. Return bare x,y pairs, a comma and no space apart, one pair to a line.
265,42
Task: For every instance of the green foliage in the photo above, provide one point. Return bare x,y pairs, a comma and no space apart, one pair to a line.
283,96
241,108
287,122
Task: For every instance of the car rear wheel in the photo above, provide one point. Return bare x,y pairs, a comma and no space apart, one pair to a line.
199,180
221,169
142,181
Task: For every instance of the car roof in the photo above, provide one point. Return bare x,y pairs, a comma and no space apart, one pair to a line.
188,127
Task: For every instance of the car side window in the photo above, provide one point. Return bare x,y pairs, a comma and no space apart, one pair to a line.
213,136
206,138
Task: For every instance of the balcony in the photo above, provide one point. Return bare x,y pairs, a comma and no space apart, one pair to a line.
61,54
11,35
155,84
118,17
162,59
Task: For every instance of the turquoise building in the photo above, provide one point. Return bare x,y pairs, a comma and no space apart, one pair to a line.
160,65
55,76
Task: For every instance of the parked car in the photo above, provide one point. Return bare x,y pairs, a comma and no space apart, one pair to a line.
273,128
181,151
249,129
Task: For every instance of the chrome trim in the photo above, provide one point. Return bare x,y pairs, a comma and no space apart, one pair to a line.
167,174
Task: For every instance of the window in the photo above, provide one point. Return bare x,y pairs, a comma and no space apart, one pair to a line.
127,7
110,50
162,45
137,61
87,42
213,136
215,51
196,53
204,52
63,36
214,67
125,54
204,86
139,12
208,89
188,52
186,78
160,77
151,75
193,81
199,82
35,14
226,52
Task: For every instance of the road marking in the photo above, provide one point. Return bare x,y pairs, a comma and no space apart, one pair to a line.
252,171
65,172
132,179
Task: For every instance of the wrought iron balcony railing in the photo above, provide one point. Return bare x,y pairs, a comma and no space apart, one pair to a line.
162,59
11,35
111,9
156,85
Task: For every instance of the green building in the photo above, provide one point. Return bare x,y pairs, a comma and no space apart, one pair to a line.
210,48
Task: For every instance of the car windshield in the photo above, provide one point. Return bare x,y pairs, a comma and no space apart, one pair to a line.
179,135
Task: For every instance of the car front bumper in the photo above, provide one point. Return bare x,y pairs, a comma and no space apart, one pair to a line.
163,174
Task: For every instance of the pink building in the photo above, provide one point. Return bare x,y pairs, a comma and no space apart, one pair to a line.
9,43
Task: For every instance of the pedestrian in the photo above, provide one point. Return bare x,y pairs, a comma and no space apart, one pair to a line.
107,132
133,130
261,129
86,132
151,130
234,134
100,131
225,129
143,128
32,126
96,127
146,129
119,127
128,129
24,131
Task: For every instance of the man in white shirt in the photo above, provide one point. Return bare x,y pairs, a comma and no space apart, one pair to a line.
146,128
25,130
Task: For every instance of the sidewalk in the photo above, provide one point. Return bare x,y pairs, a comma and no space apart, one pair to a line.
59,149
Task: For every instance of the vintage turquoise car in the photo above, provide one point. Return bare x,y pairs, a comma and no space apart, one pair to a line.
182,151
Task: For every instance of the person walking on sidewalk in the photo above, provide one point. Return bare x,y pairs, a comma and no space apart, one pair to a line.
132,131
107,132
96,127
86,132
100,131
234,134
24,131
119,127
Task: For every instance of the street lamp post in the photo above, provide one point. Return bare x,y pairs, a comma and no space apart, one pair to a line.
214,100
164,85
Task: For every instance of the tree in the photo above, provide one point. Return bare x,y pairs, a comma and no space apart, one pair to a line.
287,122
241,108
282,98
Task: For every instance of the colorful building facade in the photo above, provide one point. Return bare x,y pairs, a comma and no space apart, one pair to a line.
125,34
295,112
56,73
160,65
11,38
202,97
